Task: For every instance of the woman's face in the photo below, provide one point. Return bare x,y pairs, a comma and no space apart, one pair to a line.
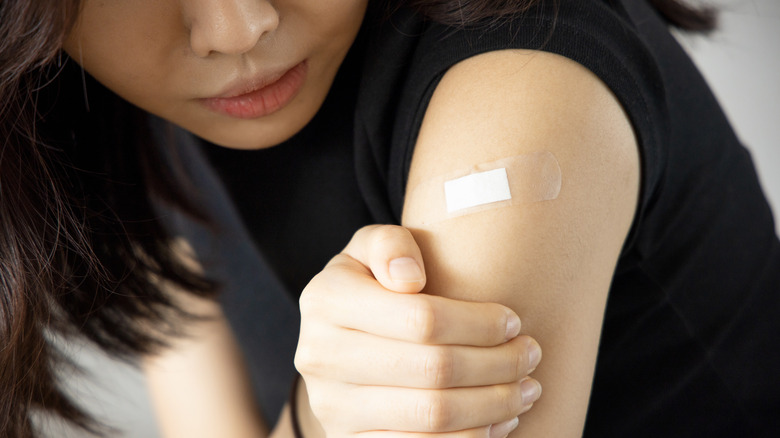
240,73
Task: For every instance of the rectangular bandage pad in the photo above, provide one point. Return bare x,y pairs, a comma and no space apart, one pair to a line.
519,179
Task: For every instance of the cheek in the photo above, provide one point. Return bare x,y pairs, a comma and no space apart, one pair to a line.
134,78
126,49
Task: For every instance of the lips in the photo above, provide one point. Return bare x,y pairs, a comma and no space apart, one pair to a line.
259,98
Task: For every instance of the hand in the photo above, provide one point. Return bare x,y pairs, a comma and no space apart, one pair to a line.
379,358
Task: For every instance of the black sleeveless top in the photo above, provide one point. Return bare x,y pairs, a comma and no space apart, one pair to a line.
691,338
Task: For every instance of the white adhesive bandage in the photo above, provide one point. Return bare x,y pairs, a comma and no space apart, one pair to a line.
513,180
476,189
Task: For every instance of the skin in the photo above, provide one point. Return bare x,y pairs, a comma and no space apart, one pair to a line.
200,387
379,363
164,55
551,262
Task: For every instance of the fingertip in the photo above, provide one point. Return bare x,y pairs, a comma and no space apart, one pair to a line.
531,390
534,354
405,270
503,429
512,325
407,274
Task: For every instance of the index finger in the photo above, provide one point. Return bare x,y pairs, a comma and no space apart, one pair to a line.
429,319
356,301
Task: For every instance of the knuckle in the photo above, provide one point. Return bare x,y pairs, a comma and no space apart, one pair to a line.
505,400
308,301
433,412
388,234
438,367
306,359
389,240
338,265
421,320
312,299
519,362
510,398
365,230
319,292
491,333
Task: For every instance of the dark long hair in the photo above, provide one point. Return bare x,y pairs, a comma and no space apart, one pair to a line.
81,250
459,12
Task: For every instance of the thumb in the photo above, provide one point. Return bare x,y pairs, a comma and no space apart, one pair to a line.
391,254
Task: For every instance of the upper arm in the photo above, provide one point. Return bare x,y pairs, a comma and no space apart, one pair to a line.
551,261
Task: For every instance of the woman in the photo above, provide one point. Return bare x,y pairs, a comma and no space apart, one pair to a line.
618,245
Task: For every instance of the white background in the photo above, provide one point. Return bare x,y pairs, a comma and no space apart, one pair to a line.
742,63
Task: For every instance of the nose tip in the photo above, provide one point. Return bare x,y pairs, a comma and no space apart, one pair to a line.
230,26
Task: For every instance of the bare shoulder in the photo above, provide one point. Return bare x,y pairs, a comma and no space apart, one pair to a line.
513,101
518,103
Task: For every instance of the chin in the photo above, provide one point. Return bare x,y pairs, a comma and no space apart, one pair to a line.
242,143
246,135
249,140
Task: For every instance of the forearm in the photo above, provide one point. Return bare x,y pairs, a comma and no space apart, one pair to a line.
199,386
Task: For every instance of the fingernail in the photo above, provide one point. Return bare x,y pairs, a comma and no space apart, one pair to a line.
406,270
500,430
534,355
512,326
531,390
